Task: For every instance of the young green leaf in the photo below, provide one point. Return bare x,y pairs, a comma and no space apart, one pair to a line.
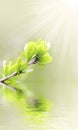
30,50
45,59
13,68
22,53
42,48
6,68
19,64
24,67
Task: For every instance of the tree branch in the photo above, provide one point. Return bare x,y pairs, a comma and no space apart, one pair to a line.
33,61
8,77
2,81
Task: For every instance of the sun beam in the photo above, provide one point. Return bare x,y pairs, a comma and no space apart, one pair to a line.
52,20
71,3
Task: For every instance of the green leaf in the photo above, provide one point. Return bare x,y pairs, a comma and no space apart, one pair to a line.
43,43
13,68
19,63
30,50
24,67
6,68
22,53
45,59
41,48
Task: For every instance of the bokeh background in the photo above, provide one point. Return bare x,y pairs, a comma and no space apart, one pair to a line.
55,21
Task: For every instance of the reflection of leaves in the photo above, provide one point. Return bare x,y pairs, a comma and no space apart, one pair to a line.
15,96
37,105
37,112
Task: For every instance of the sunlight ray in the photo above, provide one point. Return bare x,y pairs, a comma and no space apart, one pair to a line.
53,20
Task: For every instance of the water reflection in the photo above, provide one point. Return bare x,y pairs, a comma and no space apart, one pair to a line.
63,116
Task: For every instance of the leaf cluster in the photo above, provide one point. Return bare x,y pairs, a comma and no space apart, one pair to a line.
38,50
33,53
32,50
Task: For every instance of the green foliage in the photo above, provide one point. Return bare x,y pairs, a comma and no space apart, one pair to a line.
6,68
41,48
21,66
38,105
37,50
30,50
46,58
34,53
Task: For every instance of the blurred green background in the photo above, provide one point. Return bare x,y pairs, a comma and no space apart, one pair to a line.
54,21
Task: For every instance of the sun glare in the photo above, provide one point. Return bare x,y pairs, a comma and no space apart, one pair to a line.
71,4
53,20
